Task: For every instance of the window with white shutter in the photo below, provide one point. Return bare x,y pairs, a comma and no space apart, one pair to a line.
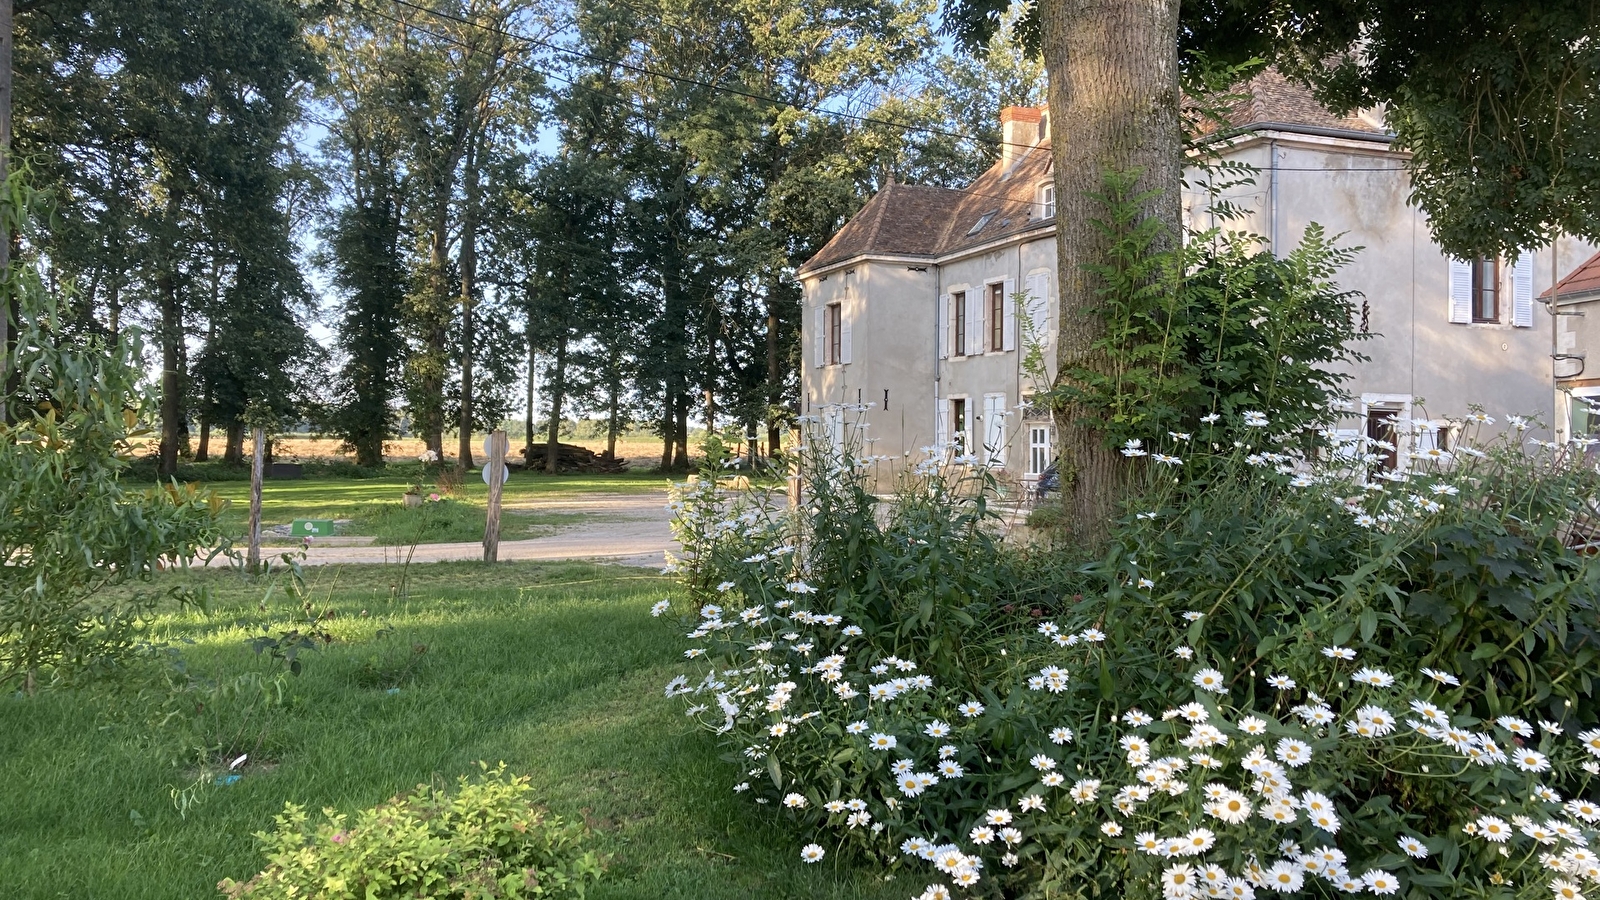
994,430
1039,306
1038,449
941,423
974,323
944,327
819,336
1522,291
959,322
1009,330
844,337
1460,291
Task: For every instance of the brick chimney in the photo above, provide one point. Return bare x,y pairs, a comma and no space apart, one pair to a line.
1021,127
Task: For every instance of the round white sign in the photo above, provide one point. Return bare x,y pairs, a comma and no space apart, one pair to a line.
505,474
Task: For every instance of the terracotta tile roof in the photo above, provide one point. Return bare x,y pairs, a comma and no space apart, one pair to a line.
931,222
901,220
1585,279
1008,194
1274,99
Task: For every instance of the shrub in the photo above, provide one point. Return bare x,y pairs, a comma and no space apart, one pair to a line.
487,840
1255,689
68,527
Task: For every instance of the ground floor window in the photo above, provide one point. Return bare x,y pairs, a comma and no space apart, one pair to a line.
1038,448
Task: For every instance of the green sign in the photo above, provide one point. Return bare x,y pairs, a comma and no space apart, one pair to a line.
311,528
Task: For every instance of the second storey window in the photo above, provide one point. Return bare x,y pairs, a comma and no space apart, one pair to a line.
1485,289
997,316
1047,201
961,323
835,322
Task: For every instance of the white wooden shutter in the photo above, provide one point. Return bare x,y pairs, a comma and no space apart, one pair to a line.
1460,291
994,430
944,326
1039,305
844,335
1010,305
974,323
941,421
1522,291
819,336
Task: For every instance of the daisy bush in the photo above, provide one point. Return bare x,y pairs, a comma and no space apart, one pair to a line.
1286,675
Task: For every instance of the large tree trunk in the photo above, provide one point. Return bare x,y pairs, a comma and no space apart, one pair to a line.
468,260
436,320
558,395
173,428
1113,67
613,415
233,450
774,382
527,420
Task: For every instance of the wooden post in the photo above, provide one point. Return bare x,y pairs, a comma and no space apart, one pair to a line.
494,471
258,435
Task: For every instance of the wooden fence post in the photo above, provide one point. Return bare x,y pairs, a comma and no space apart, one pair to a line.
494,472
258,435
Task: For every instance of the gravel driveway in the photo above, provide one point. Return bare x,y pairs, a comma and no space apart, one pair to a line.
629,529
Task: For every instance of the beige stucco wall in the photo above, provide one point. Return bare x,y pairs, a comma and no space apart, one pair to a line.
1360,191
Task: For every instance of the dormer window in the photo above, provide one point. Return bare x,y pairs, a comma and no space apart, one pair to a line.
982,221
1047,201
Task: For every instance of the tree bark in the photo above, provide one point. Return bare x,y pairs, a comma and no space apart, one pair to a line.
527,420
173,429
774,382
233,450
468,263
558,394
1113,69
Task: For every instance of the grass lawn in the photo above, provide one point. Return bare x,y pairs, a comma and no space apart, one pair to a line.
374,506
554,668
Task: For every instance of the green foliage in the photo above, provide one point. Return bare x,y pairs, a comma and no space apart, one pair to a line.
486,840
1272,596
1217,326
69,528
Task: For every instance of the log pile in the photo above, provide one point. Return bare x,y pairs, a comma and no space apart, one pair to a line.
572,459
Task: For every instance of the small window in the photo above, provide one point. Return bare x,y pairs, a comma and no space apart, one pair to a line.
1485,289
961,323
835,333
1383,429
1038,449
1047,201
982,221
958,418
997,316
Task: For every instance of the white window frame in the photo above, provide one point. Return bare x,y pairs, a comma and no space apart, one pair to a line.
1401,405
964,427
1568,396
1038,451
1047,200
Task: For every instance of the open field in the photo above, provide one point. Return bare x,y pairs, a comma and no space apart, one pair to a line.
554,668
640,450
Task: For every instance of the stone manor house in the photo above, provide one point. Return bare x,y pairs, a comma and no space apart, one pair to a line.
910,306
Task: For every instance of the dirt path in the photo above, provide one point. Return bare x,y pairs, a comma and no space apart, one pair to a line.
630,529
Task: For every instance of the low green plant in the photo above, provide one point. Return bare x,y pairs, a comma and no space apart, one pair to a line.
486,839
69,527
1292,671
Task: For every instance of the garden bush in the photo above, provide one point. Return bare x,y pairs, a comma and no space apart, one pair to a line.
69,527
486,840
1289,672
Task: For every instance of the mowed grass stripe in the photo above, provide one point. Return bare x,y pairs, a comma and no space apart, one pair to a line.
554,668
